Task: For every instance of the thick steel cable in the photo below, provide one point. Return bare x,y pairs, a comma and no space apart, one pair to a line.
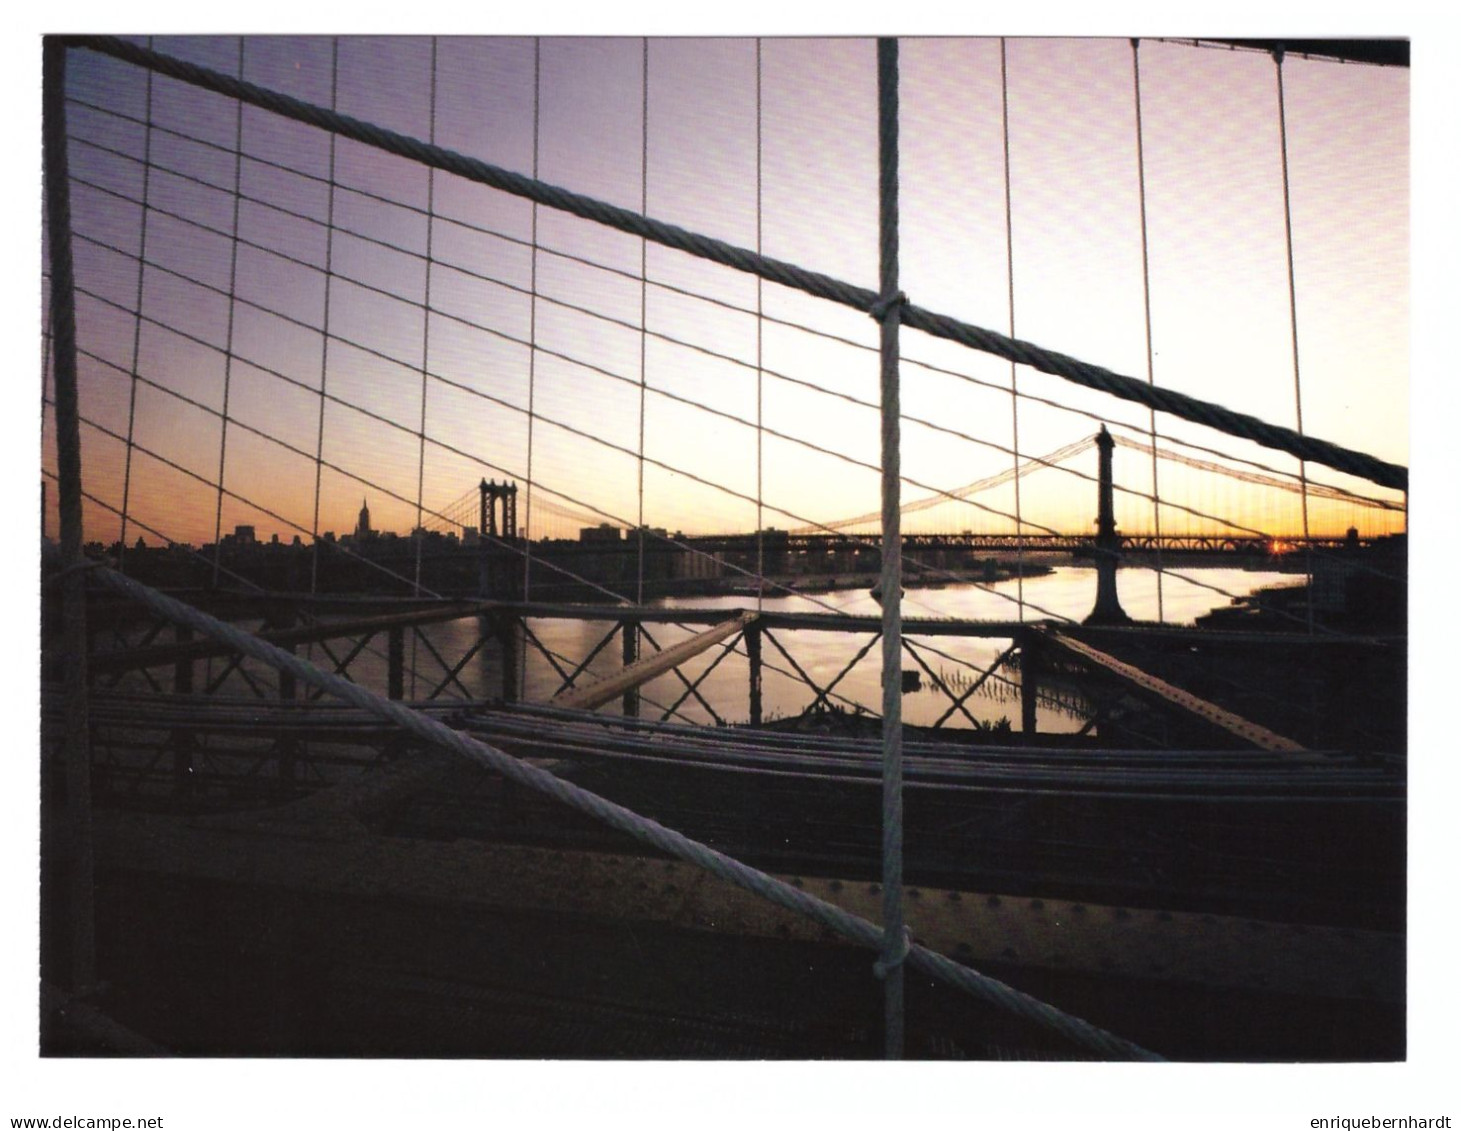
794,439
800,441
581,260
582,433
647,831
894,949
859,539
816,284
80,901
810,445
1288,483
1255,48
661,335
475,458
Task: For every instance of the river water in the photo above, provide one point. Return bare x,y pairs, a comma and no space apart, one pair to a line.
1067,592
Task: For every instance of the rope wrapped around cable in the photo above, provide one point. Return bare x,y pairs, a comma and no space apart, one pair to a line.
859,930
1096,377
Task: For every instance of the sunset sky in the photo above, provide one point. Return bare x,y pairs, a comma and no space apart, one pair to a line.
404,239
1220,322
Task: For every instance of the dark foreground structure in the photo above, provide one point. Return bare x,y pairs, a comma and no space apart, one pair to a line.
247,854
287,876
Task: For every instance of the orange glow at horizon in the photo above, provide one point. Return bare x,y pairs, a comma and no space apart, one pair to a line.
532,363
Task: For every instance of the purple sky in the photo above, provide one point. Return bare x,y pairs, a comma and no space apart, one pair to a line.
1215,224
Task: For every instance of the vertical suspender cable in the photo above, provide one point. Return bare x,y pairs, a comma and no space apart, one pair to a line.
228,333
1288,232
137,324
1146,295
314,572
1009,259
643,303
888,312
528,531
419,533
760,374
68,473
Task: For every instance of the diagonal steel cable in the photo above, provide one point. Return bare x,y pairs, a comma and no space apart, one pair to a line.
859,930
819,285
629,275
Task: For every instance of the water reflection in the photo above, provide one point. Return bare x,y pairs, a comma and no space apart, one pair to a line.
1067,592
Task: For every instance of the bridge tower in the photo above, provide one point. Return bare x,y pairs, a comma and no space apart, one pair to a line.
1108,608
494,493
499,574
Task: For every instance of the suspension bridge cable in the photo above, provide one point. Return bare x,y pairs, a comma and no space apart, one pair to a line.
206,482
1146,300
426,316
660,335
961,494
647,831
425,348
530,292
632,276
643,303
137,326
1288,231
79,892
601,370
1009,262
325,331
760,356
819,285
228,350
887,312
479,460
532,323
394,424
917,563
1320,490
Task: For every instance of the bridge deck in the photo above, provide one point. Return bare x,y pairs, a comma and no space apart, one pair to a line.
1259,736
